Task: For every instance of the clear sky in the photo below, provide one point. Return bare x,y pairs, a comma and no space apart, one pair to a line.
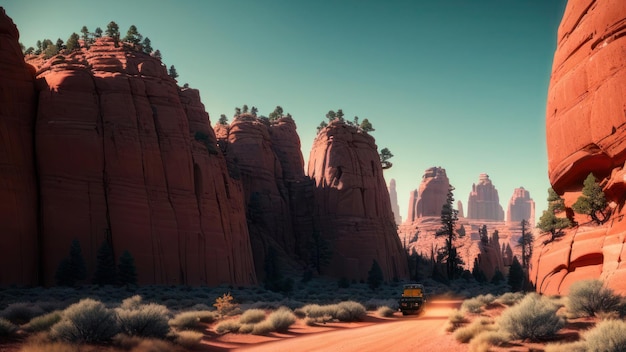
460,84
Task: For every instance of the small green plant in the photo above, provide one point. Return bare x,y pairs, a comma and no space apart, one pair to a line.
43,322
588,297
87,321
252,316
533,318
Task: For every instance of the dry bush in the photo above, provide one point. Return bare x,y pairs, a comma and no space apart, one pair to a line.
43,322
282,319
188,339
21,312
263,328
466,333
533,318
142,344
225,304
486,339
385,312
455,320
475,305
87,321
246,328
185,321
7,328
132,302
252,316
350,311
588,297
509,298
146,320
607,336
227,326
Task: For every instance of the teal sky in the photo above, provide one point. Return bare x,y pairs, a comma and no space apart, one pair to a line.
460,84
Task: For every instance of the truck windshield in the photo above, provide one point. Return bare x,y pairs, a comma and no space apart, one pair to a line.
412,292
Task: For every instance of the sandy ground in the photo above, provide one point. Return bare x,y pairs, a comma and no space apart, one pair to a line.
424,332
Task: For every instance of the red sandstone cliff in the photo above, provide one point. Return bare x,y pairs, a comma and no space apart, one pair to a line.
585,133
352,203
483,202
428,200
124,154
521,207
18,187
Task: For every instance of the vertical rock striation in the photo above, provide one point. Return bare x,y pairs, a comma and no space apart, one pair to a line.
18,184
352,203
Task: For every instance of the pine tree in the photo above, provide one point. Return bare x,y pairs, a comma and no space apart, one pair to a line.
375,276
592,202
223,120
59,44
85,35
516,276
106,271
113,31
157,54
147,46
133,36
172,72
72,42
331,115
482,232
276,114
98,32
365,125
449,217
126,269
72,268
339,115
321,253
385,155
254,110
321,126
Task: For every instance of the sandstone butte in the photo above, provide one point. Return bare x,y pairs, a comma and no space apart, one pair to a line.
393,197
352,203
586,133
521,207
122,154
483,202
424,221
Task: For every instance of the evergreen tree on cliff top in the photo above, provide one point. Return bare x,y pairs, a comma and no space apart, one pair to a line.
549,222
449,217
592,202
133,36
113,31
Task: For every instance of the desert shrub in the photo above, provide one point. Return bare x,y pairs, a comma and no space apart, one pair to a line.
246,328
588,297
227,326
533,318
188,339
7,328
484,340
607,336
185,321
252,316
282,319
137,344
310,310
385,311
206,316
146,320
133,302
43,322
87,321
472,305
263,328
456,319
466,333
350,311
510,298
374,304
21,312
225,304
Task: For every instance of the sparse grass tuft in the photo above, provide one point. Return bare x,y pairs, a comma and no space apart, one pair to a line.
385,312
466,333
252,316
533,318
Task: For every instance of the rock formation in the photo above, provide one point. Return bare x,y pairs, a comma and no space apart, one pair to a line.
483,202
459,207
585,133
393,198
352,203
521,207
428,200
18,186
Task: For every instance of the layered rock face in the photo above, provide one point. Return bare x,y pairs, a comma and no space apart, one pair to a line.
269,161
586,133
352,204
18,186
432,193
125,156
521,207
393,198
585,111
483,202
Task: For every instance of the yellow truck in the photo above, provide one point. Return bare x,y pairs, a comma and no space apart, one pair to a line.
412,300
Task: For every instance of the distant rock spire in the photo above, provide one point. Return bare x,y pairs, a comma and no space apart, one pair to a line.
393,197
521,207
483,202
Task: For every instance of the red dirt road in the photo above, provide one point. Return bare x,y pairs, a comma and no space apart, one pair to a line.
425,332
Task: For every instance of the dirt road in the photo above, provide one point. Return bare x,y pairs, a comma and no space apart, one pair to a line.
425,332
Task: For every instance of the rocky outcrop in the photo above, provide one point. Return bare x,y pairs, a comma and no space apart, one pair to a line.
18,186
459,207
352,204
432,193
393,198
586,133
125,156
521,207
483,202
